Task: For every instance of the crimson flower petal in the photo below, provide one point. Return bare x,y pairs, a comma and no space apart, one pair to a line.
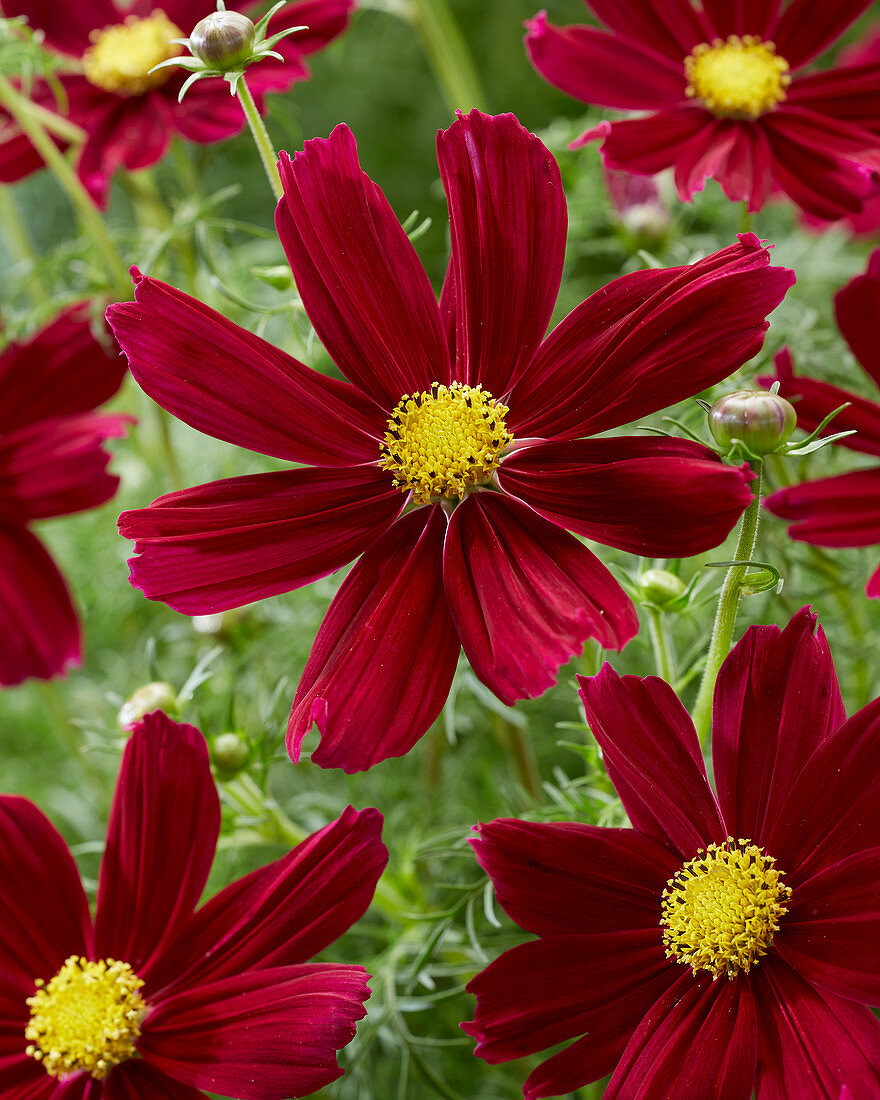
653,758
226,544
193,361
550,990
670,26
45,911
266,1035
161,838
588,378
209,113
833,511
383,661
811,1044
756,17
24,1079
507,219
776,699
661,498
56,467
602,68
807,27
60,371
525,595
322,21
854,305
359,277
39,630
563,877
648,145
850,94
135,1080
699,1040
283,913
831,932
65,30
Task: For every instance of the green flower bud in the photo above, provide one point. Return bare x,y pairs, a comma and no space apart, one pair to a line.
761,420
157,695
230,752
660,587
223,40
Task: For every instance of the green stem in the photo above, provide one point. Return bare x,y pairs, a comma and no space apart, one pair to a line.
520,748
745,219
20,109
661,643
448,53
21,247
261,137
725,616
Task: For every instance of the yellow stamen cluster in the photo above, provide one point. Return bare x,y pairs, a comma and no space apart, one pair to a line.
442,443
721,909
85,1018
737,78
121,56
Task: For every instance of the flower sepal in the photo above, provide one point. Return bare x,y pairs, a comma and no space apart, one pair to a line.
224,44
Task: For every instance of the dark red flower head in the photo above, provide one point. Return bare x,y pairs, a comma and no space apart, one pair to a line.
52,463
722,945
843,510
453,460
728,100
155,998
130,116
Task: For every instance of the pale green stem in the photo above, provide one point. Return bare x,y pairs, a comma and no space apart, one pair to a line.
261,137
20,109
745,219
21,247
725,616
664,655
520,748
57,124
448,53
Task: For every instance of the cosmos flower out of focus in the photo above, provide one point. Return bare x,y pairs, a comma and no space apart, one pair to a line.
155,999
453,459
52,463
719,946
843,510
130,115
727,97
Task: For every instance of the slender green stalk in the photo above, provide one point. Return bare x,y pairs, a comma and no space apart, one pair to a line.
661,643
448,53
745,219
57,124
261,137
523,755
21,110
725,616
21,247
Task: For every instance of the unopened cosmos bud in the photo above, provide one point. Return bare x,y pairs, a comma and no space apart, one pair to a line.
223,40
660,586
230,752
157,695
761,420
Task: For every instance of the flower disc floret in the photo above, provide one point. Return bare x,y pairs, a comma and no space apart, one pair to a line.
443,442
122,55
85,1018
722,909
737,78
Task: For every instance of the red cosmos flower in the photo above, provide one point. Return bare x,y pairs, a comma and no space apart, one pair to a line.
52,463
719,80
842,510
719,946
463,413
155,999
129,116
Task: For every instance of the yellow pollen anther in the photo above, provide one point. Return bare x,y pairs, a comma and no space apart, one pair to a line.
87,1017
121,56
442,443
721,910
739,78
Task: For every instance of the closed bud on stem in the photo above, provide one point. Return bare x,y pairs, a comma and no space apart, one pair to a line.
230,752
760,420
157,695
223,40
660,587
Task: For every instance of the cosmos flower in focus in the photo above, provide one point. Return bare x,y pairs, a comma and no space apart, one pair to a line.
721,947
454,460
728,99
52,463
130,115
155,999
843,510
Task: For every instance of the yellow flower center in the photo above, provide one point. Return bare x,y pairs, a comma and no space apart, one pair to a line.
87,1017
121,56
721,909
739,78
442,443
